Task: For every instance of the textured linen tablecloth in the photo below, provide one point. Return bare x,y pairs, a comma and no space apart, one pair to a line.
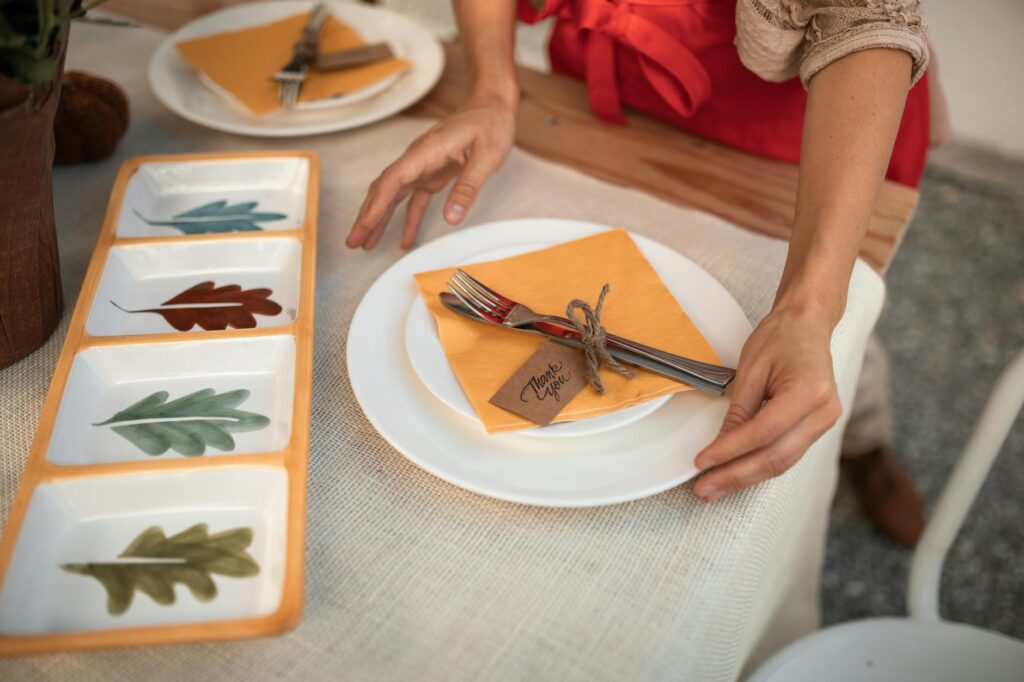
410,578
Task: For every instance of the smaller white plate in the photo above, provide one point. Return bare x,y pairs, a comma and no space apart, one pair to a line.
426,354
181,90
142,277
93,519
260,194
326,103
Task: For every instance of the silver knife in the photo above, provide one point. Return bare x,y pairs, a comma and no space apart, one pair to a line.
456,306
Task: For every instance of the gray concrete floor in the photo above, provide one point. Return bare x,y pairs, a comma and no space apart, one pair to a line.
954,318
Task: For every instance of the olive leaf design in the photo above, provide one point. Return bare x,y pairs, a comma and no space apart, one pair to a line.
189,557
186,425
214,308
217,216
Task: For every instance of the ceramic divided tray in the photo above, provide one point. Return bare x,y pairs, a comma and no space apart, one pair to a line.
164,495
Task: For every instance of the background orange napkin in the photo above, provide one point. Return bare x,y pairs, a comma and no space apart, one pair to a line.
638,307
242,62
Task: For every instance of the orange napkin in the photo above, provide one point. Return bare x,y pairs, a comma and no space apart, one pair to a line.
242,62
638,307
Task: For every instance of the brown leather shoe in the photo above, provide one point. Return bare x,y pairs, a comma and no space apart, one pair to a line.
887,495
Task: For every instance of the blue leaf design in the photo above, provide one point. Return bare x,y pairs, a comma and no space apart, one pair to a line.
217,216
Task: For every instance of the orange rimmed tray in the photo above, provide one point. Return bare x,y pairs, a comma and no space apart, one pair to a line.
56,477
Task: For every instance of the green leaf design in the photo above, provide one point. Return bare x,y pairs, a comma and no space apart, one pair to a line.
217,216
189,558
186,425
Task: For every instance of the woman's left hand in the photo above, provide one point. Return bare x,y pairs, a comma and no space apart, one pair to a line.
783,399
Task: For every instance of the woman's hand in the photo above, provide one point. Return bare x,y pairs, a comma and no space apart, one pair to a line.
470,145
786,362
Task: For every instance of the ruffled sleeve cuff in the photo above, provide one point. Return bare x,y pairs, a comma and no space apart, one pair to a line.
821,53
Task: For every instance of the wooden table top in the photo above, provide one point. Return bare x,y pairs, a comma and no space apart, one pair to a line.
555,123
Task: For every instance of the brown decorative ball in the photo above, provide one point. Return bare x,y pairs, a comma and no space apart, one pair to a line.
91,119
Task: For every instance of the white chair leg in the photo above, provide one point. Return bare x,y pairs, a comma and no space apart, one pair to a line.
1002,408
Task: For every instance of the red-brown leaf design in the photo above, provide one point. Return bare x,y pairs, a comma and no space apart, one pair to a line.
193,307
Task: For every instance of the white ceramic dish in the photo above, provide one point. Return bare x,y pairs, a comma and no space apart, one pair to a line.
259,194
145,277
423,346
178,86
641,459
106,380
164,496
94,519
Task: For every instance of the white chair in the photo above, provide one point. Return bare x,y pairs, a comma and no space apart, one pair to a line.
923,647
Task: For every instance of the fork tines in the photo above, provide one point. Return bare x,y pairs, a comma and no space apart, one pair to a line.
477,296
289,93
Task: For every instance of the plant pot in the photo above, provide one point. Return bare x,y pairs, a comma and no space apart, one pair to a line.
31,300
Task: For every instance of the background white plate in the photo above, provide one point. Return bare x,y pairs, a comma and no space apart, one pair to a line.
638,460
178,86
423,346
326,103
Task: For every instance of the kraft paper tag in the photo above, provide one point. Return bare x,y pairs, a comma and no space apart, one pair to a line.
544,384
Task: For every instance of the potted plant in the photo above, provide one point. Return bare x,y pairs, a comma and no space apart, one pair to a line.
33,41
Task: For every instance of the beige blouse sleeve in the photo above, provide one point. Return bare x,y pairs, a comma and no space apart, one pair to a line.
779,39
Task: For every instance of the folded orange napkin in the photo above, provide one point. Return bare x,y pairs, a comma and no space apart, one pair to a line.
638,307
242,62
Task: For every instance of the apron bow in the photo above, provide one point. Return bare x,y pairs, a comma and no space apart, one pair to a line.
669,66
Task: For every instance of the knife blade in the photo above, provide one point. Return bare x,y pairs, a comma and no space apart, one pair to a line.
354,56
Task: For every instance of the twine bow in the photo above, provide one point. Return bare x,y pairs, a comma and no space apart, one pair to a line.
594,340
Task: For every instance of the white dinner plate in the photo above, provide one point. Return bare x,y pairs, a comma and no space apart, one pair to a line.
644,458
181,89
423,346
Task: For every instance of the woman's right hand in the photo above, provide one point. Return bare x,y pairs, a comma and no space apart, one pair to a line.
468,145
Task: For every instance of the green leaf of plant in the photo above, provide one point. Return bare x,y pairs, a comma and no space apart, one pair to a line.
197,553
217,216
187,425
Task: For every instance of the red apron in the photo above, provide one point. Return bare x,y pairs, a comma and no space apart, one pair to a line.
676,60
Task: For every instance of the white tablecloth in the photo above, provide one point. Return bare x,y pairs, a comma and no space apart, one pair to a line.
411,578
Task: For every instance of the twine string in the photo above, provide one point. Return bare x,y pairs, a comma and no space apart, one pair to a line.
594,339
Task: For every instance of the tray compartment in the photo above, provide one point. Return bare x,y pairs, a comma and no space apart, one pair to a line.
197,286
215,196
79,521
106,380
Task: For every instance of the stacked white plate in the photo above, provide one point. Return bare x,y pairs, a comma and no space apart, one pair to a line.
406,388
193,97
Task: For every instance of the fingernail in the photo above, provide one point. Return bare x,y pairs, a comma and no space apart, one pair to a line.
702,462
455,212
710,493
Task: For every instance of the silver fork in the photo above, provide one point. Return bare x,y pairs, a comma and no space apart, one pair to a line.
505,311
293,74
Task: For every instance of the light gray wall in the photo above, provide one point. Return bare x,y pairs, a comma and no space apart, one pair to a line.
980,46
